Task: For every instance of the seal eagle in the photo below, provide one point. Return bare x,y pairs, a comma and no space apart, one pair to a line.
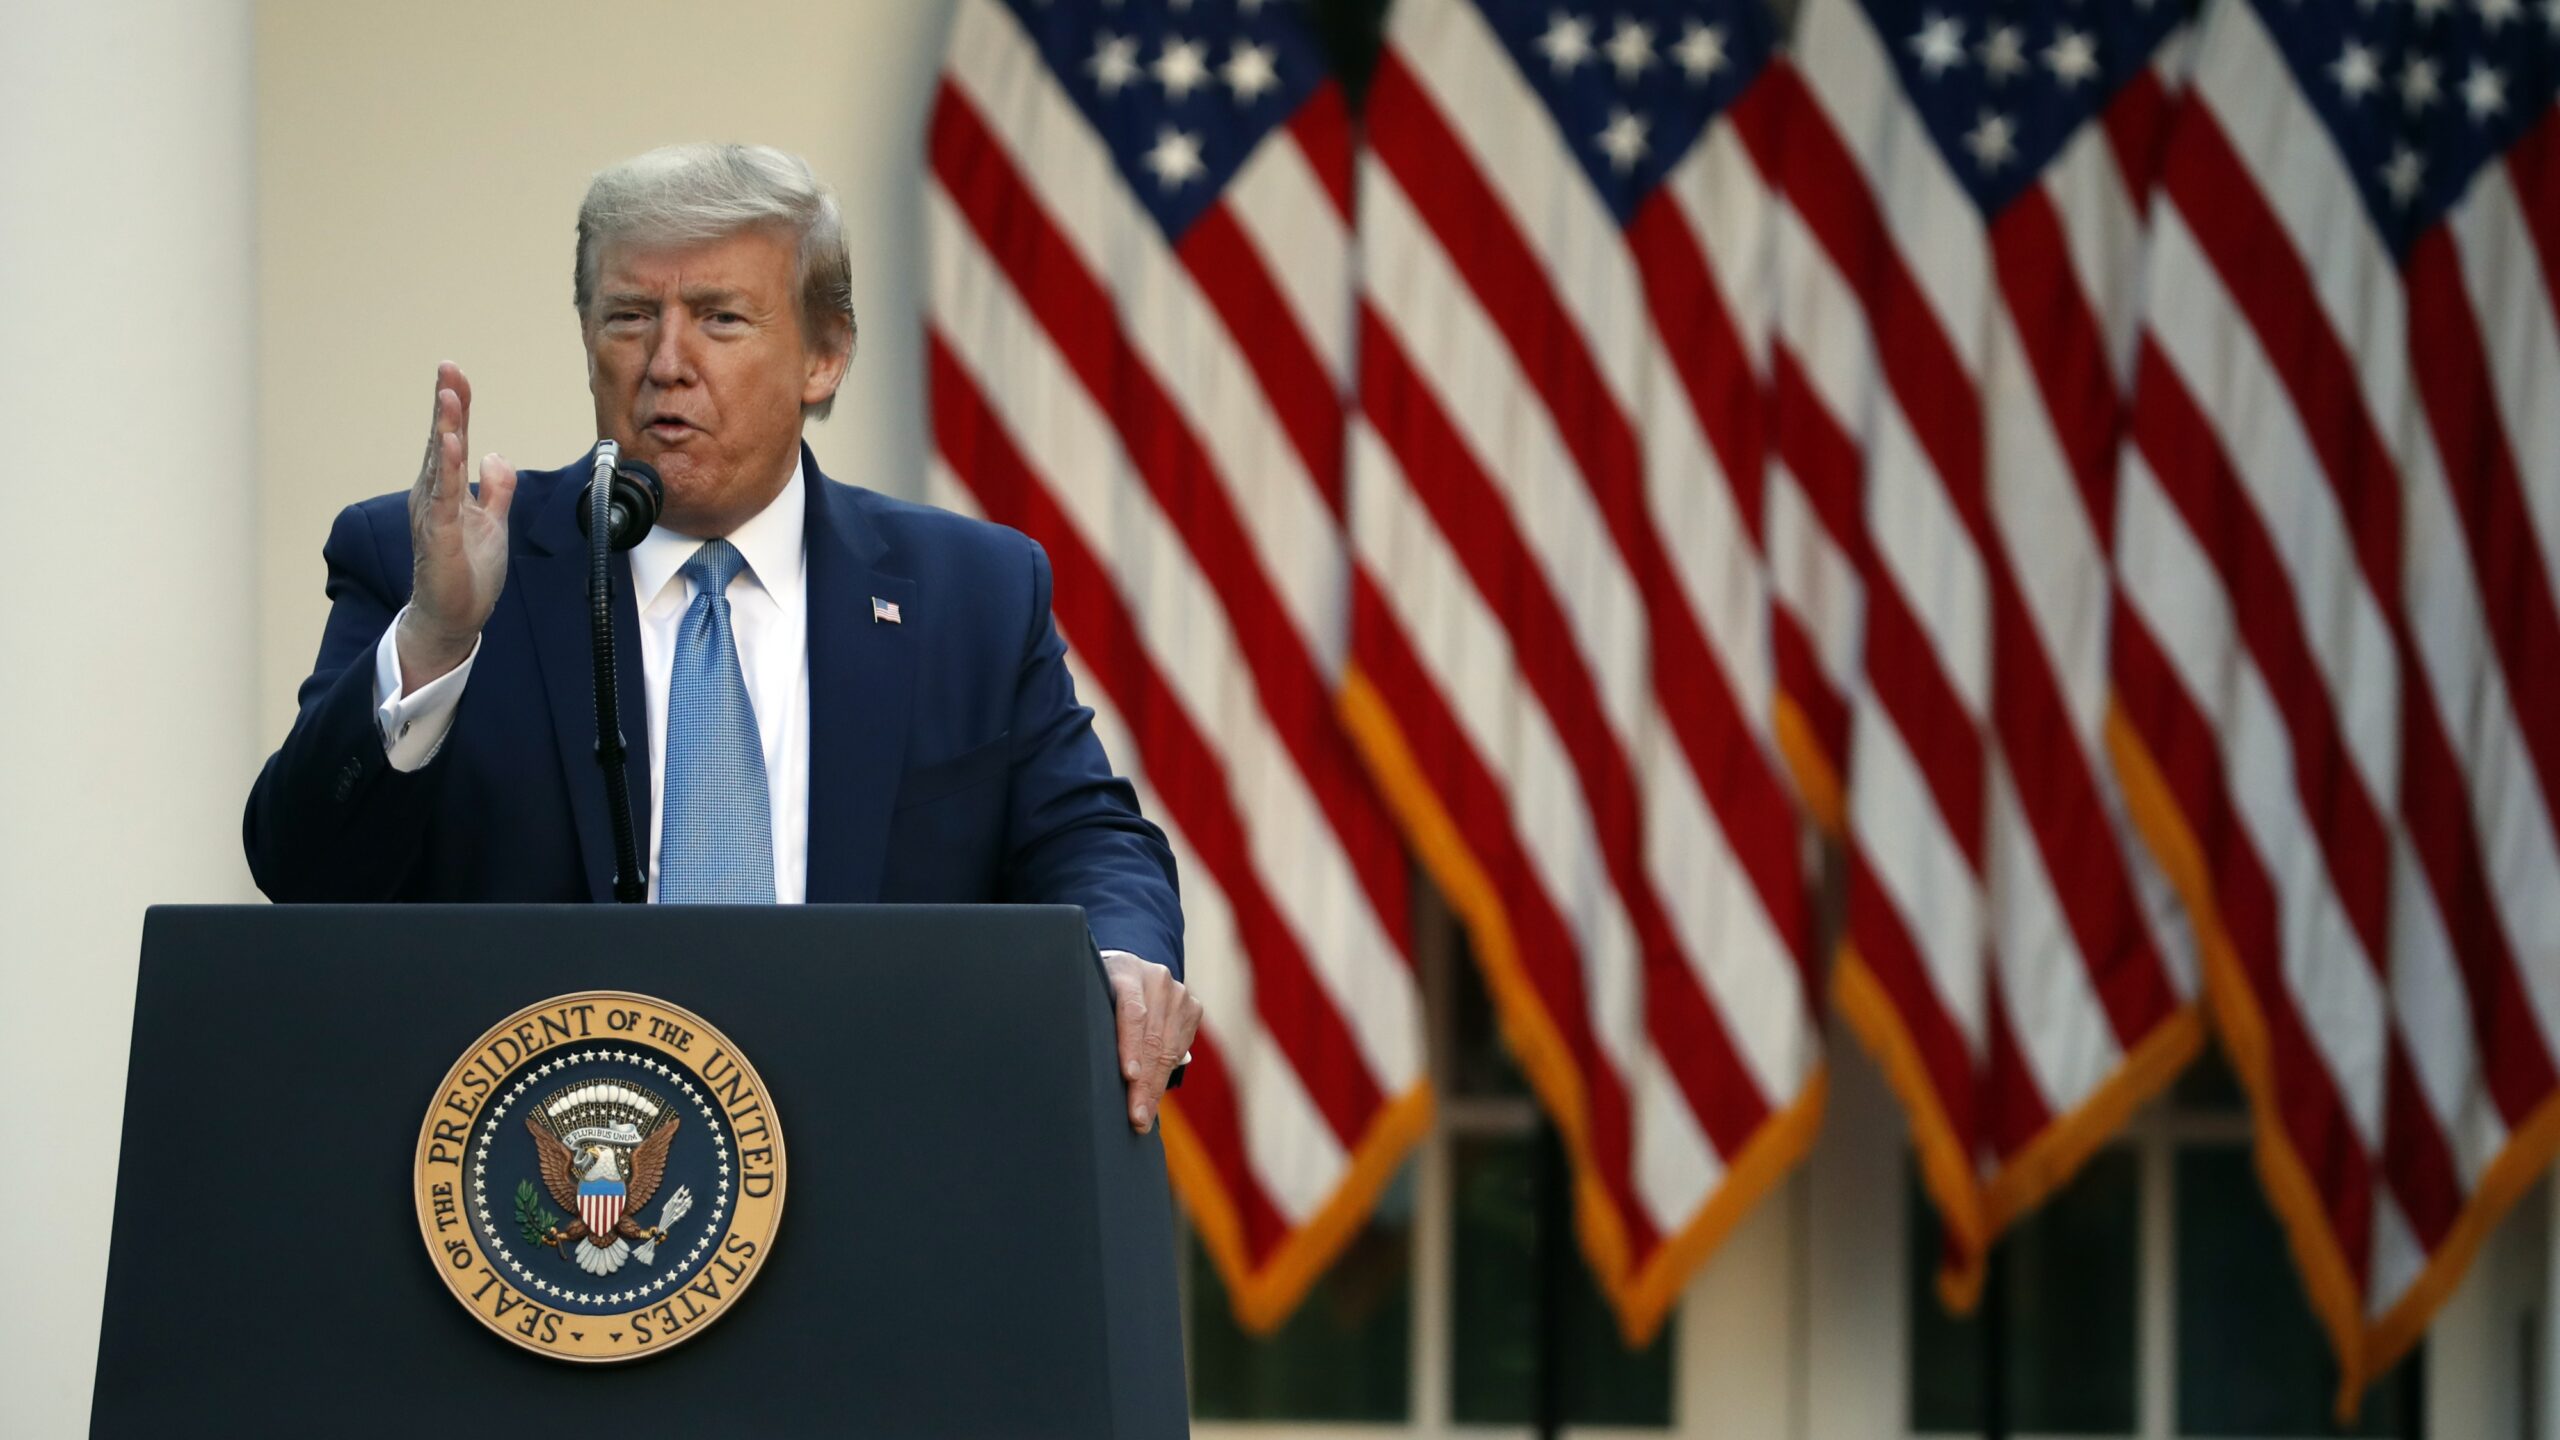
562,1171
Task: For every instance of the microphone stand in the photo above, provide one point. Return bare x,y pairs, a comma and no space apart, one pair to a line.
622,503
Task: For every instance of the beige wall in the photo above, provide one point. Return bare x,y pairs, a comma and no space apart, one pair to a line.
420,168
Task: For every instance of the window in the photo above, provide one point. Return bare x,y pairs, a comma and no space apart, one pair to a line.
1453,1271
2166,1233
1345,1355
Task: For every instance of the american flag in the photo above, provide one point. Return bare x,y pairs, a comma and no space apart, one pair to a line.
2337,654
1139,341
1964,192
1561,665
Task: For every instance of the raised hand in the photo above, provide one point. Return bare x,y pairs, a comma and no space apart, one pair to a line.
457,541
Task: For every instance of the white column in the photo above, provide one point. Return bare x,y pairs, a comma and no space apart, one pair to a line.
127,614
1858,1343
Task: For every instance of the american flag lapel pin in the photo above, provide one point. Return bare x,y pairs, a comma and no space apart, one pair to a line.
884,611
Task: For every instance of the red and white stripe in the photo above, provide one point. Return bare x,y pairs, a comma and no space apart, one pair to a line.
1946,397
1560,633
2340,668
1167,421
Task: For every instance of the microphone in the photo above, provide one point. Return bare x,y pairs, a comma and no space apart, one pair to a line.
633,496
620,506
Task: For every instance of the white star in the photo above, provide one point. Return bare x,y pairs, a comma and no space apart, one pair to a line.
546,1067
2072,57
1700,51
2494,13
1567,42
2357,70
484,1217
2418,87
1248,72
1939,43
2404,174
590,1055
1175,158
2484,91
1623,140
1182,68
724,1184
2003,52
1993,141
1630,49
1112,65
617,1054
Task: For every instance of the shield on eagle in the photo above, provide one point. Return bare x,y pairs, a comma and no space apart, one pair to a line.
600,1203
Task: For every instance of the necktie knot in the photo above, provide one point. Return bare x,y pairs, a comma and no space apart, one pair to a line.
713,567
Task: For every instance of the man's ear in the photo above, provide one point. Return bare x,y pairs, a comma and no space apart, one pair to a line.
828,363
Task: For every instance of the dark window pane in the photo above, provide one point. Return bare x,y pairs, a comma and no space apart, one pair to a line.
1494,1370
2209,1085
1480,1062
2251,1359
2071,1271
1345,1354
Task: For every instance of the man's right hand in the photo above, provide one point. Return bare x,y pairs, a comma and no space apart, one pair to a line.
457,541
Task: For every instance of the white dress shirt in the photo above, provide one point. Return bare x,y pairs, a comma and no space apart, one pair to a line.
768,612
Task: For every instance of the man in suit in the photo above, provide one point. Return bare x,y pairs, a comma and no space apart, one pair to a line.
847,698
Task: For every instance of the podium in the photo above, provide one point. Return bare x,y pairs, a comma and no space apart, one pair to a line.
973,1242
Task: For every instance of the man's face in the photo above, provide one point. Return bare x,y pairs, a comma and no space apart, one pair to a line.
699,366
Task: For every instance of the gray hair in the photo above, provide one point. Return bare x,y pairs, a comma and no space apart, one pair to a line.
689,194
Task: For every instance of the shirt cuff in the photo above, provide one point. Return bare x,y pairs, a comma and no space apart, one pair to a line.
413,727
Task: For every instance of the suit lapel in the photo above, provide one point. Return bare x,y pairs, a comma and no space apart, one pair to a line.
861,693
552,571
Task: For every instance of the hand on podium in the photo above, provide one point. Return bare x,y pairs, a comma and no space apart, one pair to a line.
1157,1018
457,540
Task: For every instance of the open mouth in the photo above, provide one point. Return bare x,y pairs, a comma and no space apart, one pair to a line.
668,429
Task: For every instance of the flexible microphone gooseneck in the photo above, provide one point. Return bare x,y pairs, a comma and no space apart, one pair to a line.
622,503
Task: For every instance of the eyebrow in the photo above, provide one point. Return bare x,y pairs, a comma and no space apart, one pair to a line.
696,296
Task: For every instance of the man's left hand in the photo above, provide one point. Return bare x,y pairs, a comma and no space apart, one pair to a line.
1156,1018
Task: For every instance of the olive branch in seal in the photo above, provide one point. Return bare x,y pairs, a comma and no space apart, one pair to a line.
533,1217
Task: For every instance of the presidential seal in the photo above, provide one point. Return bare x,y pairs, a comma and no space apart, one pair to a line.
599,1176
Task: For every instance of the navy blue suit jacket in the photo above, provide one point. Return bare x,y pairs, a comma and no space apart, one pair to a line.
949,760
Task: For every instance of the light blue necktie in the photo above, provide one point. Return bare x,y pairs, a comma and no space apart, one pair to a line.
718,845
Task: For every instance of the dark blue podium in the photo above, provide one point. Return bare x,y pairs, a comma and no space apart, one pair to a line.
973,1244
